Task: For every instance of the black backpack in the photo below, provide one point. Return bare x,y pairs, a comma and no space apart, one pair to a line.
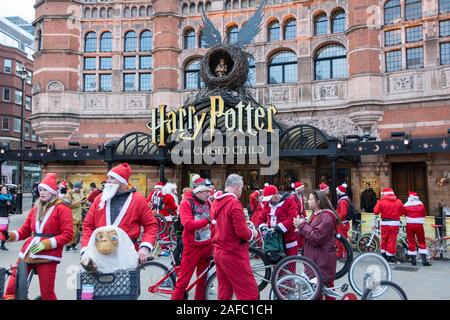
351,213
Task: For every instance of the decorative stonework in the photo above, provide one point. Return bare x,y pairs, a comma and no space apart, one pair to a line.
328,91
55,86
281,94
443,79
36,89
135,102
365,119
405,83
95,103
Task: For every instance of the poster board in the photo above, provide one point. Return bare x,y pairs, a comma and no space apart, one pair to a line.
374,183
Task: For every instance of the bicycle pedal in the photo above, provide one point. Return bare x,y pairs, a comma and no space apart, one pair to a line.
344,287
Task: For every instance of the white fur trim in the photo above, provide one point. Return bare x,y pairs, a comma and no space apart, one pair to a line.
201,188
221,195
121,213
339,192
48,188
282,227
251,235
291,244
300,188
423,251
415,220
413,201
17,235
267,198
262,225
389,254
118,177
412,253
293,185
53,241
387,193
390,223
147,245
383,251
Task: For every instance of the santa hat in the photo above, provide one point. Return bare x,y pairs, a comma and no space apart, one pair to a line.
159,185
200,185
324,187
413,195
194,177
63,184
269,192
297,186
342,189
49,183
122,173
387,192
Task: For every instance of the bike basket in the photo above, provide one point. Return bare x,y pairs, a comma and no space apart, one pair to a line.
118,285
2,282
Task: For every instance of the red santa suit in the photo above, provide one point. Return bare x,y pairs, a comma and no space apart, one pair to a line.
300,202
155,197
415,218
391,209
54,231
197,246
342,208
134,214
230,236
256,207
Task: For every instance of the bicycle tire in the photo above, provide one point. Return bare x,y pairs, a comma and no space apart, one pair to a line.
253,252
313,267
172,233
145,285
22,280
162,223
431,247
367,293
361,243
349,257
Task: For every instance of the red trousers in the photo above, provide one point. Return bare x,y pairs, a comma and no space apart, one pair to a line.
193,258
389,239
415,232
235,275
342,229
46,273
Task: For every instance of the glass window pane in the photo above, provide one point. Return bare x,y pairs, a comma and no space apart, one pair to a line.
290,73
18,97
444,6
28,103
130,41
90,82
274,31
105,63
444,28
146,41
414,34
7,66
6,94
129,63
290,30
5,123
275,74
338,23
146,62
320,25
445,53
145,82
17,124
251,78
392,11
233,34
90,44
414,58
339,68
90,63
323,70
393,61
106,42
393,37
105,82
331,51
189,39
413,9
129,83
283,56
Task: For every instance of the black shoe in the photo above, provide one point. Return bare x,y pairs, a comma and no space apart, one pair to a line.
68,248
425,263
391,259
413,259
4,248
383,254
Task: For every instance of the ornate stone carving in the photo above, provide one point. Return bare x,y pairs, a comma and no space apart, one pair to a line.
36,89
55,86
403,83
443,79
279,95
328,91
365,119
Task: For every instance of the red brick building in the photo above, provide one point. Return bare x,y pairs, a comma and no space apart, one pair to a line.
346,67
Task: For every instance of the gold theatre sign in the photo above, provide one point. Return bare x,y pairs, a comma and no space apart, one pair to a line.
244,118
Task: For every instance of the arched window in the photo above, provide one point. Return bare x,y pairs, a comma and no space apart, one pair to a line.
232,34
228,5
251,78
189,39
192,8
208,6
444,6
106,42
130,41
146,41
331,62
392,11
192,79
39,40
244,4
413,9
274,31
149,11
95,13
252,3
283,67
185,9
320,24
90,42
235,4
142,12
87,13
290,30
134,12
103,13
201,41
110,12
127,12
338,22
200,7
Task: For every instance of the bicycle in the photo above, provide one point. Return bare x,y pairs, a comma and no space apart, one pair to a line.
369,276
370,242
438,245
23,279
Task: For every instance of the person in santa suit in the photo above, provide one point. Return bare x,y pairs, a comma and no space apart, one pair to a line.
342,208
230,237
46,230
297,194
196,238
324,188
391,209
415,218
278,215
154,198
255,206
62,189
122,206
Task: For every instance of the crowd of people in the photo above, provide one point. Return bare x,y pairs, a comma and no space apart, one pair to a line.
213,223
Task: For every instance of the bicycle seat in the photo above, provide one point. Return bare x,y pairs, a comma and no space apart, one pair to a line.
167,243
437,225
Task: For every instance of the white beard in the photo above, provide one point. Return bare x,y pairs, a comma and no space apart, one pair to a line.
109,191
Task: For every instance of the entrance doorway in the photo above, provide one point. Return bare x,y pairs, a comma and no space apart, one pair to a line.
410,177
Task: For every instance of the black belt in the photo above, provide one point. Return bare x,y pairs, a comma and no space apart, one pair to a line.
387,219
44,235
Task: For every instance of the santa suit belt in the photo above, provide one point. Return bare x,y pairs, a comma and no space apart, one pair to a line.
44,235
410,220
390,222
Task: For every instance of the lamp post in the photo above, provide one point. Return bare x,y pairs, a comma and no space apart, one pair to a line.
23,76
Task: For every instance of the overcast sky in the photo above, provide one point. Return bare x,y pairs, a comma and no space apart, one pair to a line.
21,8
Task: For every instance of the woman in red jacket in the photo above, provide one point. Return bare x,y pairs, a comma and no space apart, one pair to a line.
47,229
197,246
319,234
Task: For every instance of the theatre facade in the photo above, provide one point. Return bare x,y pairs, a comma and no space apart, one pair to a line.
361,89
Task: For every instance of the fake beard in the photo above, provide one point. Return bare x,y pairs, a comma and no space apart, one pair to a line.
109,191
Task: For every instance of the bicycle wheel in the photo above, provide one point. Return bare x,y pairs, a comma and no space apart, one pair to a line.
431,247
368,243
401,252
343,263
296,278
212,287
152,273
22,280
162,223
391,291
261,267
172,233
367,269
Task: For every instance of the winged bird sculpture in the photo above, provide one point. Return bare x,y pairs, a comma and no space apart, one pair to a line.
211,36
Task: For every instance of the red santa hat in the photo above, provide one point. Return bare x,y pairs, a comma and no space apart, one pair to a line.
269,192
324,187
412,194
387,192
49,183
200,185
63,184
159,185
342,189
122,173
297,186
